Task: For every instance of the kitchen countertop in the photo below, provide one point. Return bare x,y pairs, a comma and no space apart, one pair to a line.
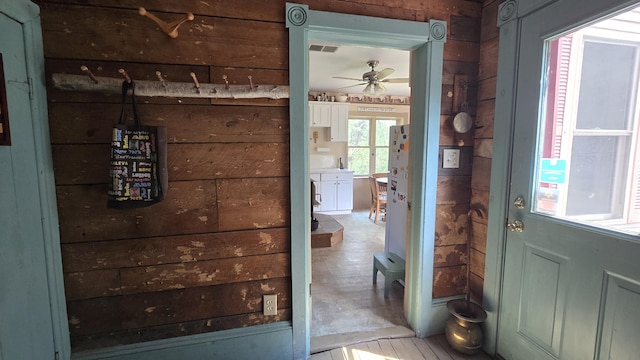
329,170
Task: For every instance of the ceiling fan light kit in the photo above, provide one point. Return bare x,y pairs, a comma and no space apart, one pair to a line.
373,80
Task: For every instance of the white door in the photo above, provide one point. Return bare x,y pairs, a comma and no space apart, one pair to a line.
26,326
571,280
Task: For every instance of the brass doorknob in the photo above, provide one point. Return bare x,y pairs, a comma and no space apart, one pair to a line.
516,226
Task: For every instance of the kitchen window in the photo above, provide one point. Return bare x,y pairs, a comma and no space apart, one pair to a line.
368,144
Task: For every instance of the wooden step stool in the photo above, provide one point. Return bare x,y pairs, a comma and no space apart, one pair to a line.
391,266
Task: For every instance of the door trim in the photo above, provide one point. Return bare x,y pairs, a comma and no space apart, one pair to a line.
425,40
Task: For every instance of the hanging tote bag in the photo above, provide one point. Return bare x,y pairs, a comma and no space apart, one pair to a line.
138,160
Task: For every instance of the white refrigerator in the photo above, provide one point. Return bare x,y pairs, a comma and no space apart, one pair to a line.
397,191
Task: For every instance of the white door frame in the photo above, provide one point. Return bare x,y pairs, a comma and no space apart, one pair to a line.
510,15
425,40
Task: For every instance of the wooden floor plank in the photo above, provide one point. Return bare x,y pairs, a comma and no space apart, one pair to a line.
441,353
321,356
406,349
387,348
338,354
426,351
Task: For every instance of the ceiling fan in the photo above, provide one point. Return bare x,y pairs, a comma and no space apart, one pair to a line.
374,80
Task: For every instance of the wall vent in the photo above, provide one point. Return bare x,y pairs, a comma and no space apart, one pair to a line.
323,48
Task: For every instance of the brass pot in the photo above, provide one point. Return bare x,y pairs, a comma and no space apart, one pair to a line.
463,331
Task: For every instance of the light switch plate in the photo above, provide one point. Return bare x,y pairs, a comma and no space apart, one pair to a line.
270,304
450,158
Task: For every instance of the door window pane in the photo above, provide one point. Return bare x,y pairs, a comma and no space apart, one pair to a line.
587,168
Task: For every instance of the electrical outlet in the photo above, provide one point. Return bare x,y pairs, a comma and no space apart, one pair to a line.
450,158
270,304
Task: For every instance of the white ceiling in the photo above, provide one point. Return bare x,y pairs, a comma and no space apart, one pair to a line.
351,61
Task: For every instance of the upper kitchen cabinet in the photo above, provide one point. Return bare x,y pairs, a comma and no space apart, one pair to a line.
333,115
339,119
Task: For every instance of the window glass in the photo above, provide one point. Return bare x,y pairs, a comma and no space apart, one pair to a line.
588,165
368,144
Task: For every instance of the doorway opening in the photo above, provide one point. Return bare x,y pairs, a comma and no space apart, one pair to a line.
425,41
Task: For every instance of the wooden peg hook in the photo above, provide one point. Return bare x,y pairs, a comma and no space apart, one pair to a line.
171,28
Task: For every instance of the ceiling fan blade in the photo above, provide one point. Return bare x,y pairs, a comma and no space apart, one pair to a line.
384,73
345,78
396,80
350,86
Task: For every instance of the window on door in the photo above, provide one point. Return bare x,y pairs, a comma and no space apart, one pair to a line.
368,144
589,161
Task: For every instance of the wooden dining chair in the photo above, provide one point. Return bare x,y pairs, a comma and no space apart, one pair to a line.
378,197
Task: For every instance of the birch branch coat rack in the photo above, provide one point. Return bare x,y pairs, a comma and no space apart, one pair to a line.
195,89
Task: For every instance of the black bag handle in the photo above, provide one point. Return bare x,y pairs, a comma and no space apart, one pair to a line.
126,86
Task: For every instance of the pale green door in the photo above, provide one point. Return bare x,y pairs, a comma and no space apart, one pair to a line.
26,324
571,280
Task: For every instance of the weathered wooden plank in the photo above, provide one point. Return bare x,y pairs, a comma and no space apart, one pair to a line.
387,349
477,262
450,255
483,148
451,68
484,118
424,349
96,33
480,200
117,254
190,162
204,273
406,349
91,284
489,21
137,71
88,342
433,344
476,284
102,315
464,28
451,224
453,190
446,100
87,123
487,89
481,178
449,281
253,203
455,50
89,164
489,56
479,236
189,208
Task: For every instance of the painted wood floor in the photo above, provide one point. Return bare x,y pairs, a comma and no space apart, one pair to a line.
432,348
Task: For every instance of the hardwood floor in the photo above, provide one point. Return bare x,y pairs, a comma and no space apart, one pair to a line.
351,319
343,298
432,348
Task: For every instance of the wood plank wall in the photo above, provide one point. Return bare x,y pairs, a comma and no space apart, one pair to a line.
483,148
201,260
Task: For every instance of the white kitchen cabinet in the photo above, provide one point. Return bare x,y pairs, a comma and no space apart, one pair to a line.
335,191
333,115
339,122
319,114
